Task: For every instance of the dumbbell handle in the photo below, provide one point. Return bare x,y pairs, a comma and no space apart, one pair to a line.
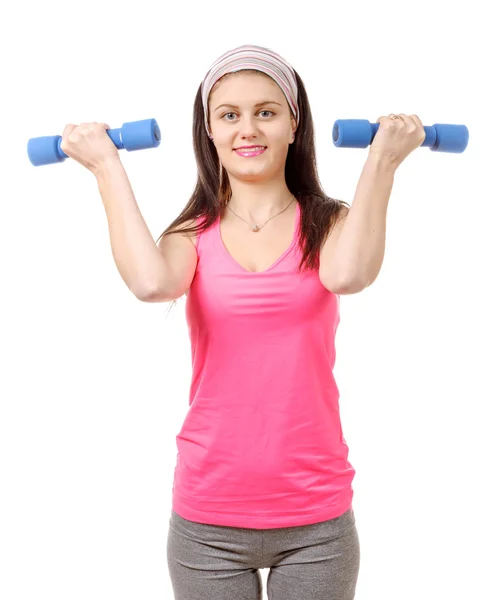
136,135
359,133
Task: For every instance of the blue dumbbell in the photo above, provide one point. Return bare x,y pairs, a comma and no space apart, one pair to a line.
137,135
359,133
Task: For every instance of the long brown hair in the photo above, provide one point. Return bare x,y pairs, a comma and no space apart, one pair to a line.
319,212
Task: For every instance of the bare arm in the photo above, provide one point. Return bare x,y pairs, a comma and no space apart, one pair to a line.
178,250
143,267
353,253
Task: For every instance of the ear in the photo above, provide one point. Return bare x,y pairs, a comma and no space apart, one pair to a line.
293,127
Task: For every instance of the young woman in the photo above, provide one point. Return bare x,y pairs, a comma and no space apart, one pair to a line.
262,478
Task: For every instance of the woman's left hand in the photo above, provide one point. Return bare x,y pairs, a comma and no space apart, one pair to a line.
397,138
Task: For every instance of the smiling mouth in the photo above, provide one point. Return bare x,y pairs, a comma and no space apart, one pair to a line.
250,151
249,148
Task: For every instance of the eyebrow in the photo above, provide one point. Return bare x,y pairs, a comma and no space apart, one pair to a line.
258,104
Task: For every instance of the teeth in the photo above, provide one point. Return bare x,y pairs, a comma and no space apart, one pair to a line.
251,149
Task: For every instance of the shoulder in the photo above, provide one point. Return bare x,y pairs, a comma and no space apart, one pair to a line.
343,211
338,219
190,235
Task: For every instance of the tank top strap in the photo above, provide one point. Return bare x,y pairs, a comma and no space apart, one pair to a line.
198,221
203,236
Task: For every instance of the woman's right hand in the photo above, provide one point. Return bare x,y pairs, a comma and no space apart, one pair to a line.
89,145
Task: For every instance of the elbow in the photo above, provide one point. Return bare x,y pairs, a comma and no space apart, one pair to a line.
156,294
148,294
152,296
350,285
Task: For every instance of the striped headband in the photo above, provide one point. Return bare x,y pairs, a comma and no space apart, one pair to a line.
258,59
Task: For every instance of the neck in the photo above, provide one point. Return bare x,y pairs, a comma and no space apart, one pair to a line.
259,205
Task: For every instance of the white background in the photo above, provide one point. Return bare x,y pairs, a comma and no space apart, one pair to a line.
94,383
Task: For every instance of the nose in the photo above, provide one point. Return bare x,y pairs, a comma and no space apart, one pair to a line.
248,127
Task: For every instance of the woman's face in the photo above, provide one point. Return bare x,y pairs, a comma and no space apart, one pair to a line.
260,116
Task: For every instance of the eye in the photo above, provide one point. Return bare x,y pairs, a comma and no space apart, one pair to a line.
233,113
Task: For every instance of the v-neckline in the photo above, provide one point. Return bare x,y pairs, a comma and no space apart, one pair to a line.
294,239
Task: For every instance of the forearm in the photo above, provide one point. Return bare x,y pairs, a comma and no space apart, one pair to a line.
361,242
137,258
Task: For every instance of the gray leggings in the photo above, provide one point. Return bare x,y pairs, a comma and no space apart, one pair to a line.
309,562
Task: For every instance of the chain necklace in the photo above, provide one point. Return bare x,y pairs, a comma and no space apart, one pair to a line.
255,227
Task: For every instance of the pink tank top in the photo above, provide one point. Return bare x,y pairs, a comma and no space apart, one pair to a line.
261,445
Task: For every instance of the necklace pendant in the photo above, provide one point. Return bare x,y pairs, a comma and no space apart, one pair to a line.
255,228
